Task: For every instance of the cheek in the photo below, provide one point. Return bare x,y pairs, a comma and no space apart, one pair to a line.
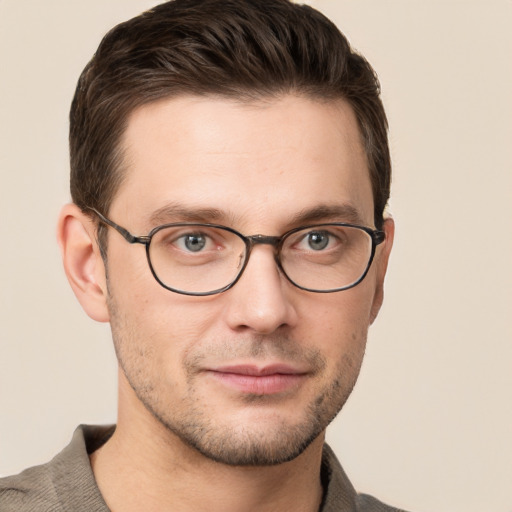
156,324
343,314
338,326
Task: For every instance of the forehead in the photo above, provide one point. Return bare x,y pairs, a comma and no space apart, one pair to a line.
258,162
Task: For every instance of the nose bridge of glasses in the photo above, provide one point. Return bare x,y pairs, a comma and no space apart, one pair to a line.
274,241
264,239
253,240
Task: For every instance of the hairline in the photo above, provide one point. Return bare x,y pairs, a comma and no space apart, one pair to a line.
249,97
246,97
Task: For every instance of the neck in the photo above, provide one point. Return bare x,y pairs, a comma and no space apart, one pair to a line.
146,467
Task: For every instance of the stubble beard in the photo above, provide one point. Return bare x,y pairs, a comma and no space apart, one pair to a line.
247,446
235,445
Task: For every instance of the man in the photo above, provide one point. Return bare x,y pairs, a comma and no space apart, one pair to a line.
229,174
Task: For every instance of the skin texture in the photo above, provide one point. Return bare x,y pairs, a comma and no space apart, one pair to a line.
255,167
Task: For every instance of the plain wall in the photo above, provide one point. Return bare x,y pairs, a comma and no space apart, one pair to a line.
429,426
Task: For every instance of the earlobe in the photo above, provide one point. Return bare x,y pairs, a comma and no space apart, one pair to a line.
82,261
381,263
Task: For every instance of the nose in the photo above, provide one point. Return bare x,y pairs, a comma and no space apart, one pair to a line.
261,300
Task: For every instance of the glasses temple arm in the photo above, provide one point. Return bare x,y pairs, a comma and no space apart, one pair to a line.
122,231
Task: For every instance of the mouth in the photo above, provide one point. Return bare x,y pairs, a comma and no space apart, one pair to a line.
259,380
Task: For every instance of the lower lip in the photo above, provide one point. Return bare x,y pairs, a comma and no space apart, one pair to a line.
259,384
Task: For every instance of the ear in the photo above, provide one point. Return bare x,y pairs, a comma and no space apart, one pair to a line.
84,267
381,265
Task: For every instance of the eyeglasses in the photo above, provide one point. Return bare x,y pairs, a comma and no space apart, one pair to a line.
206,259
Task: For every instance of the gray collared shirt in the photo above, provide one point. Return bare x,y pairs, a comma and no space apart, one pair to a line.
67,484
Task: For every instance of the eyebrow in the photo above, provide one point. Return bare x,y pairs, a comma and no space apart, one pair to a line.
177,212
326,213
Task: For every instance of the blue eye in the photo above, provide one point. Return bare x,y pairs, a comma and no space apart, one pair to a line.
318,240
193,242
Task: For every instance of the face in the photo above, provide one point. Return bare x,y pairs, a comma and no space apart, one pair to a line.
253,375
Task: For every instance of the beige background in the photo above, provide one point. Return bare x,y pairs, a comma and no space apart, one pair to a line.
429,427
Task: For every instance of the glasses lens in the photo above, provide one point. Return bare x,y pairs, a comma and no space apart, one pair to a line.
326,257
196,259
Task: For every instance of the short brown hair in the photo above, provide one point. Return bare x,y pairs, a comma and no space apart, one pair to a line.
243,49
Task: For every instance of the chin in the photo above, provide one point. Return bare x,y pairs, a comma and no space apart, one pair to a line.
258,439
251,447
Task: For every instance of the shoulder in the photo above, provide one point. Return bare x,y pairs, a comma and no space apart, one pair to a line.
29,491
339,493
65,483
366,503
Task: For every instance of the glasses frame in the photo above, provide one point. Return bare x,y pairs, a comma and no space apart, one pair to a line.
377,237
